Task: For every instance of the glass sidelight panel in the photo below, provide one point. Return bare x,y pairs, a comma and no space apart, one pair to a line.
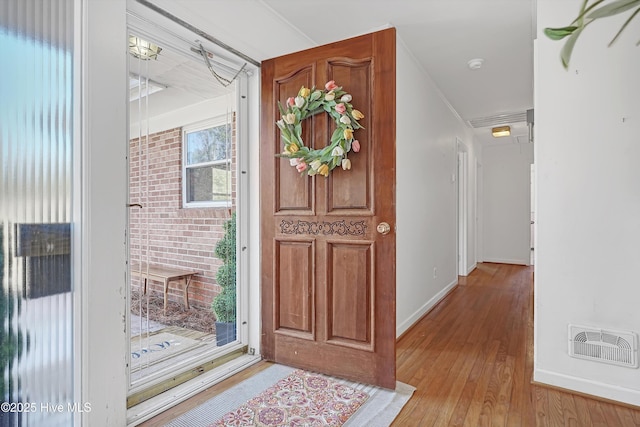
36,213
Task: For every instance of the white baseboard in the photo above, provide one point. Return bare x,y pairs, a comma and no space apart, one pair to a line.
473,267
583,385
468,270
507,261
417,315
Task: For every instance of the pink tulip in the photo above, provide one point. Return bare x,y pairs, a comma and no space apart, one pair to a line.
355,146
302,166
291,101
331,85
341,108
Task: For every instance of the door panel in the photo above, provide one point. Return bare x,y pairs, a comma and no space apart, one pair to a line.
328,277
351,321
294,291
351,189
293,194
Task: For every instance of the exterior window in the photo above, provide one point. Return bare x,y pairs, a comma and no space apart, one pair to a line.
207,154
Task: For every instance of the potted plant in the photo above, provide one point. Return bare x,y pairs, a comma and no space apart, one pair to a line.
224,304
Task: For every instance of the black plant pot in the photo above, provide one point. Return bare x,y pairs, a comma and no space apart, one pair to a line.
225,333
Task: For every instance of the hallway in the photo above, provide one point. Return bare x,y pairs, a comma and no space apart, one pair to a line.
471,358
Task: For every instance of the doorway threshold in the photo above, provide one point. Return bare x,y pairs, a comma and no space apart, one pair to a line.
152,407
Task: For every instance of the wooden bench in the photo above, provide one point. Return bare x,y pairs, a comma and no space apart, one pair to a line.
165,275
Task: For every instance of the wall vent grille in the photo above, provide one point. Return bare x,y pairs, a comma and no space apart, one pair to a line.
606,346
498,119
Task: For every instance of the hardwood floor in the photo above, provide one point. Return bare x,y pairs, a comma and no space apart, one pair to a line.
471,360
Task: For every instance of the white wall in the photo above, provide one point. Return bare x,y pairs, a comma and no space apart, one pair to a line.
588,199
506,202
426,195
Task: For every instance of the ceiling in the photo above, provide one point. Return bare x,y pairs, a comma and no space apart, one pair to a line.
442,35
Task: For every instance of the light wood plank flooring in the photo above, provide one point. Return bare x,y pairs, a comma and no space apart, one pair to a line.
470,359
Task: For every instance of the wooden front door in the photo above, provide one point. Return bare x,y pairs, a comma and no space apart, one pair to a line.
328,276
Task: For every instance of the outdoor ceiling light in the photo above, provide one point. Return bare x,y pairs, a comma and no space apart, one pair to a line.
501,131
143,49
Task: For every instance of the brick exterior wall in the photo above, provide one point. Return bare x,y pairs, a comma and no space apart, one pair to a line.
177,237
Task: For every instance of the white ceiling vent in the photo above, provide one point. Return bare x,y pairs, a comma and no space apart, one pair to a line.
606,346
498,119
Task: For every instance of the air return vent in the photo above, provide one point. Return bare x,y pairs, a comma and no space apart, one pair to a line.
606,346
498,119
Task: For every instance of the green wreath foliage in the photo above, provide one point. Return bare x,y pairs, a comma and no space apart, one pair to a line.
308,102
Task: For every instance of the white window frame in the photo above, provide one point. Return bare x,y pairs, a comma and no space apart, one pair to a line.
195,127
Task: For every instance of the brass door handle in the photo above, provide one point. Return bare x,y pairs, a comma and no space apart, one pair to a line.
383,228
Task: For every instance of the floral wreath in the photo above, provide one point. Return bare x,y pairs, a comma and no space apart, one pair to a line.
336,103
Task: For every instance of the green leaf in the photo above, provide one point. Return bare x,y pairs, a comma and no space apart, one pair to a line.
584,10
633,15
559,33
337,135
567,49
286,137
314,105
613,8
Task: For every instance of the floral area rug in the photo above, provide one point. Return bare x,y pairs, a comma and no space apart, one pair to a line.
283,396
300,399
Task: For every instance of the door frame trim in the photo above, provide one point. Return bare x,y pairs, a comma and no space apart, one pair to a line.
462,207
